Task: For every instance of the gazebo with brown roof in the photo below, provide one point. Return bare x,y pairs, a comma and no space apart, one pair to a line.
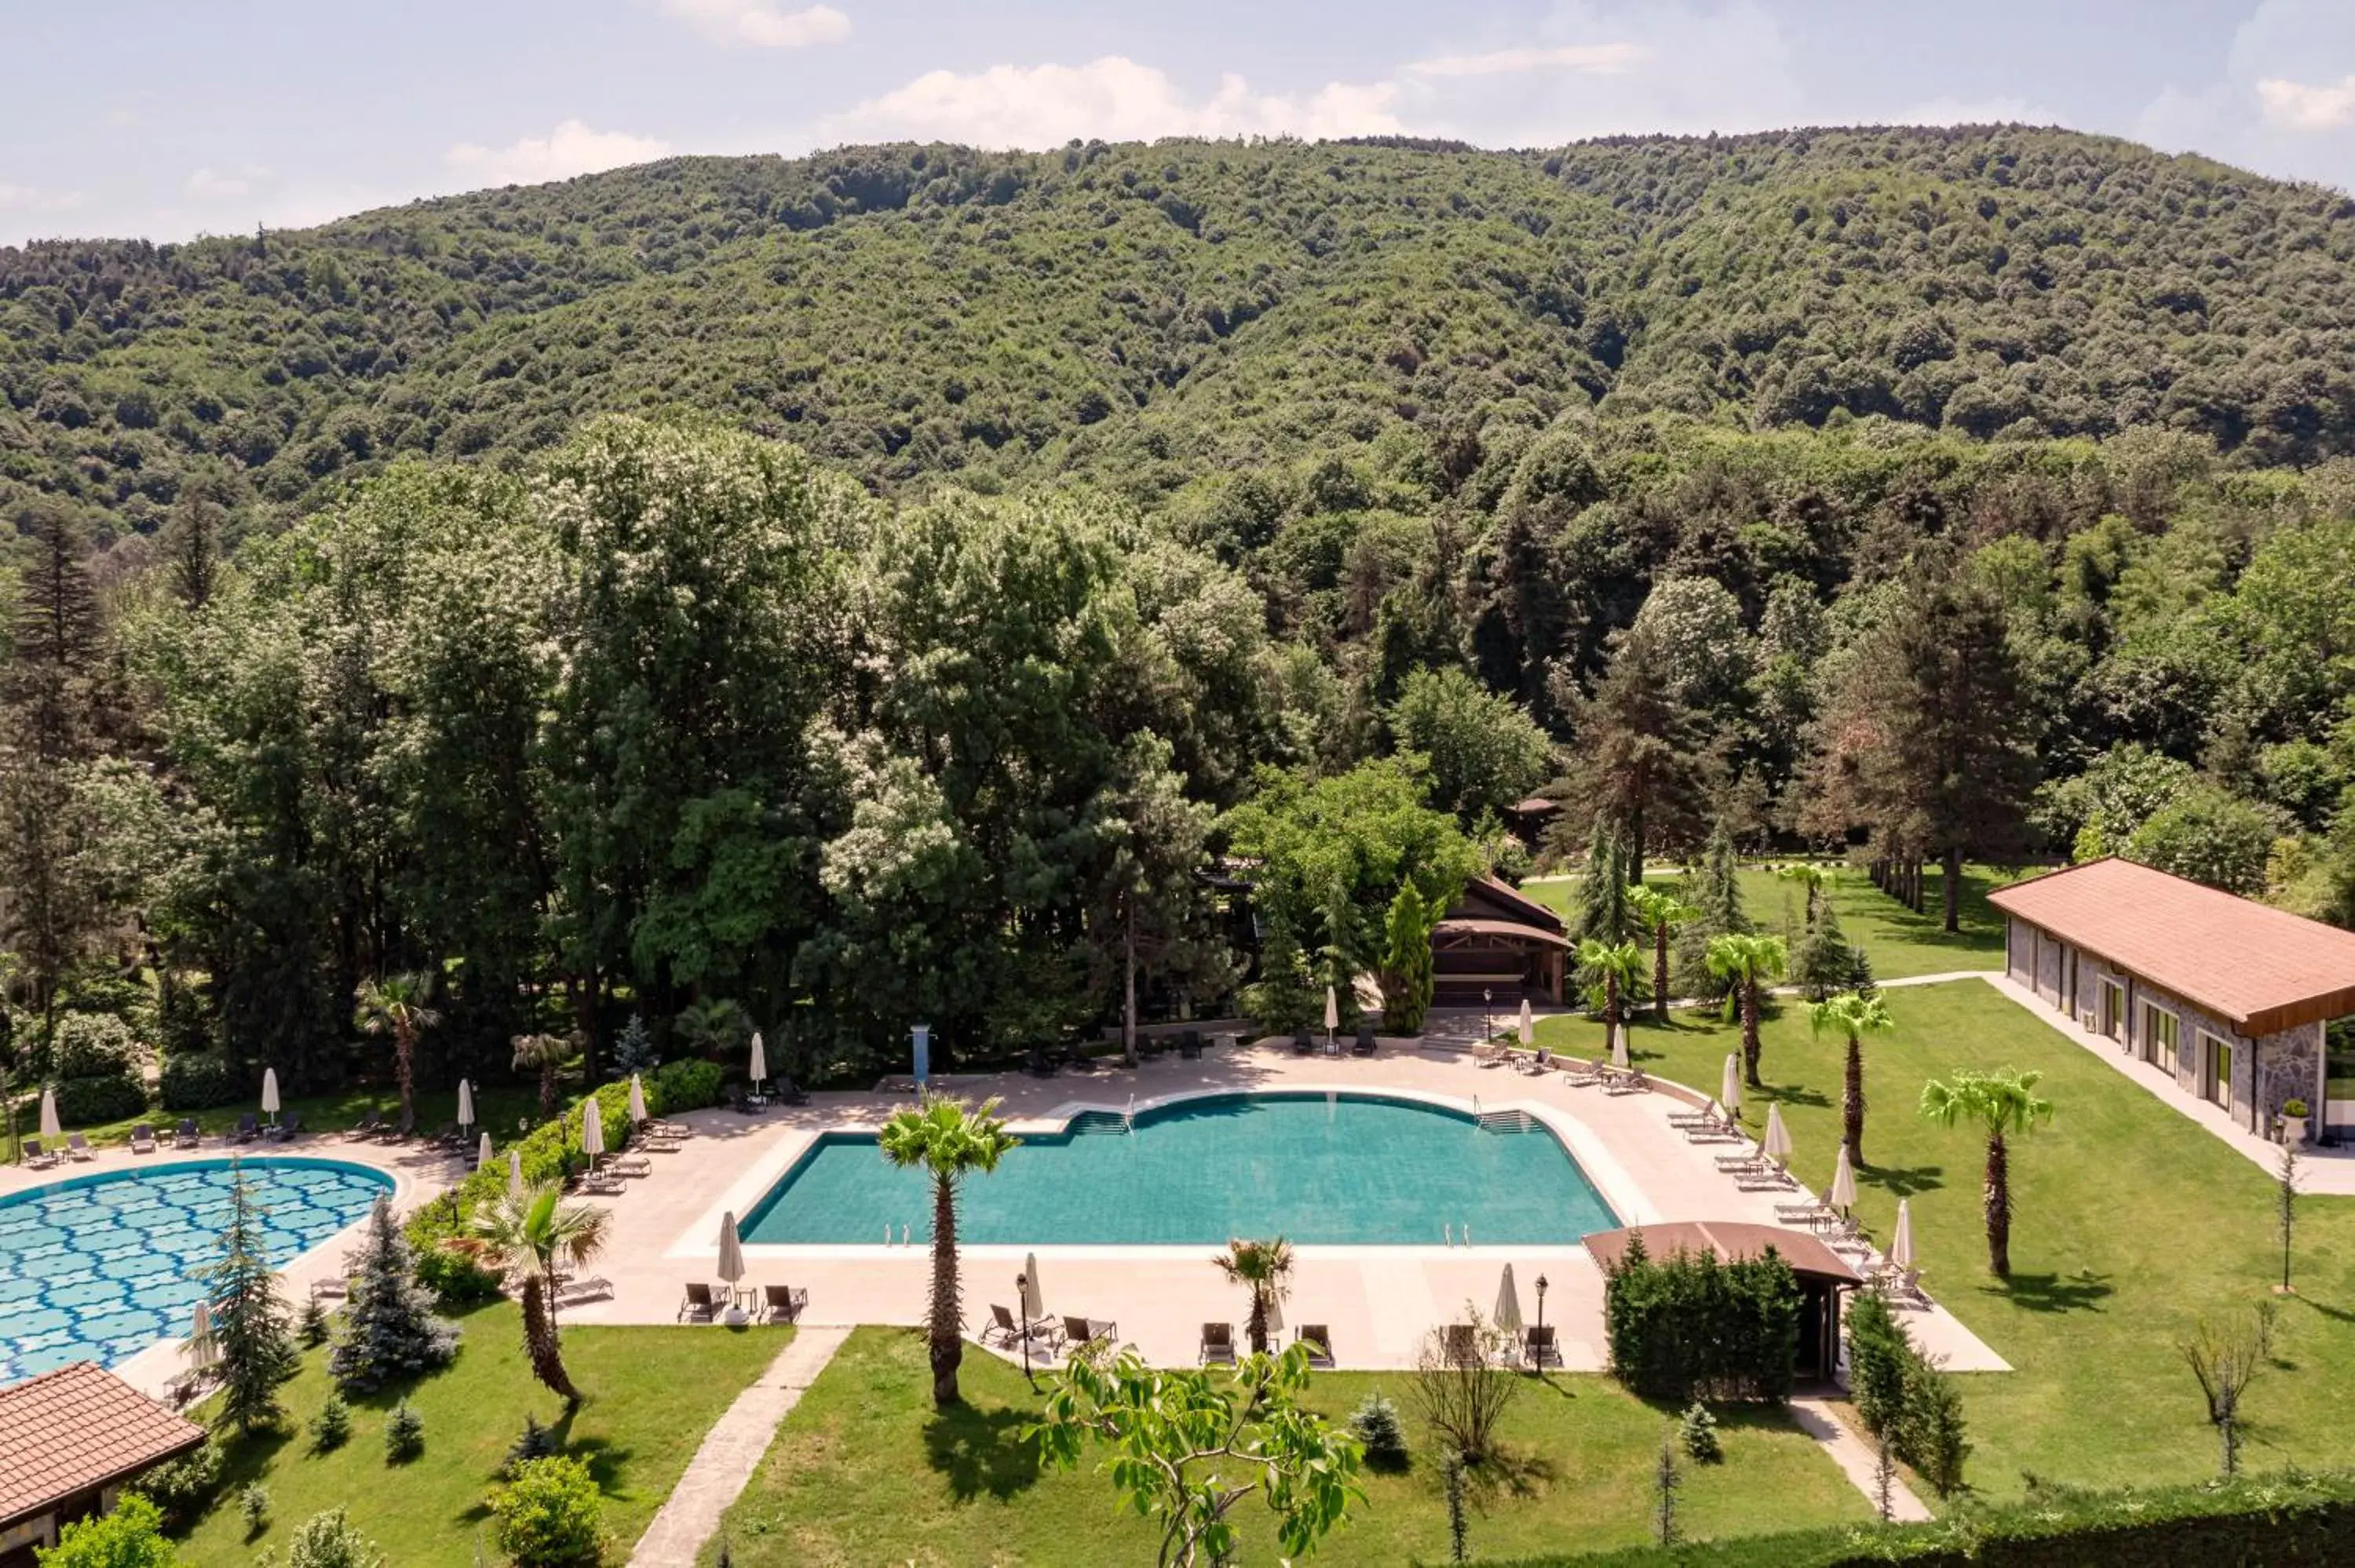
1822,1273
70,1439
1497,941
2227,994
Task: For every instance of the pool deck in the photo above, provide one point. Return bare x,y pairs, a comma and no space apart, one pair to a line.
1379,1302
417,1173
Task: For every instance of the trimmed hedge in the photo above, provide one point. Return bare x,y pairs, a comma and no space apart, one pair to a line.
199,1082
1903,1396
1687,1327
86,1102
2274,1520
550,1151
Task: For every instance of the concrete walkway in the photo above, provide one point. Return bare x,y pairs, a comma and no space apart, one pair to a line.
732,1451
1857,1458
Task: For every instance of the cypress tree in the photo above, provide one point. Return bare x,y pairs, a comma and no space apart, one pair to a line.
1604,913
251,1321
388,1332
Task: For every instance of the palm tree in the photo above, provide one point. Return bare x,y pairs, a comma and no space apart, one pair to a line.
2002,1102
1617,968
395,1005
949,1140
1854,1015
1265,1268
542,1053
528,1235
1816,879
715,1028
1746,962
1659,910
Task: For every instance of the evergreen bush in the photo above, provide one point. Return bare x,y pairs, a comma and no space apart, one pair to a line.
1696,1431
1376,1423
250,1317
87,1102
536,1441
634,1050
1902,1395
388,1330
329,1540
183,1489
1689,1325
683,1085
314,1328
550,1515
404,1434
253,1507
331,1427
199,1082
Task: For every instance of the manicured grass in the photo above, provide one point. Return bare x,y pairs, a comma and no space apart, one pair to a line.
864,1472
2129,1222
496,1109
1900,942
652,1392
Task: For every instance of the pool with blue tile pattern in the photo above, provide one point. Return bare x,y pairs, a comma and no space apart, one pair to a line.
99,1268
1317,1168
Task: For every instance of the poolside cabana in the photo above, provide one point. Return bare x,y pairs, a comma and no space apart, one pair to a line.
1497,939
2227,995
70,1441
1823,1274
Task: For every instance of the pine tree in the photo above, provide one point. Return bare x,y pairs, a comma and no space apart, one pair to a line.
191,541
634,1050
1716,892
251,1321
1604,913
388,1332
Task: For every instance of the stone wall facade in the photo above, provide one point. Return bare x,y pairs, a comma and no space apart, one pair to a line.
2102,998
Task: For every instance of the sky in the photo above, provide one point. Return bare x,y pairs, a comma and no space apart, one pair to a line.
163,119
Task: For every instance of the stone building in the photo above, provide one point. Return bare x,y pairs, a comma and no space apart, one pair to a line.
2229,995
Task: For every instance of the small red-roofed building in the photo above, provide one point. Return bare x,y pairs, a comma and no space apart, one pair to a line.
70,1441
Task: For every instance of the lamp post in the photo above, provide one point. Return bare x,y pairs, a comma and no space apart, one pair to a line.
1488,1002
1542,1290
1022,1305
1538,1351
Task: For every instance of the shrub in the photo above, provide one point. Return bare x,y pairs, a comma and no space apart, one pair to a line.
1463,1393
536,1442
199,1082
1698,1431
549,1515
331,1427
1690,1327
404,1434
183,1489
1878,1351
1377,1426
1931,1439
86,1102
92,1045
130,1537
1903,1397
329,1540
682,1086
253,1507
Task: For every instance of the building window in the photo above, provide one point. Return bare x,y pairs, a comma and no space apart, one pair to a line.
2161,1036
2215,1069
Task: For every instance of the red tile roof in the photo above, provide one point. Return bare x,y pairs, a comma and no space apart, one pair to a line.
2264,968
1502,900
1730,1240
79,1427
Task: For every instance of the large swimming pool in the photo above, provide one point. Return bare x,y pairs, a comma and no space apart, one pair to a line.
100,1267
1320,1169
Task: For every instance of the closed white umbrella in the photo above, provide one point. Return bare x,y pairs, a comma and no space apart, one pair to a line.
592,1131
1900,1247
49,1127
1619,1046
1332,1010
1728,1092
483,1155
515,1172
1529,1023
203,1349
731,1254
638,1100
465,1103
1778,1141
759,1071
270,1093
1507,1314
1034,1299
1843,1193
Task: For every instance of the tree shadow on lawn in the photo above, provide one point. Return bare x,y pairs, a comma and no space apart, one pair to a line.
2051,1293
981,1451
1904,1180
1510,1472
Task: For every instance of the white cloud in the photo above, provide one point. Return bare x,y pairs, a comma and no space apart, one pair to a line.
1978,111
2295,106
1113,98
1601,60
573,148
34,198
215,184
763,24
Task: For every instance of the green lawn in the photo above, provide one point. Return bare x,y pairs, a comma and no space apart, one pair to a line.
2130,1221
652,1394
495,1108
1900,942
863,1472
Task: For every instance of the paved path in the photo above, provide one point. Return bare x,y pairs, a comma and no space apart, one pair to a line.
732,1451
1857,1458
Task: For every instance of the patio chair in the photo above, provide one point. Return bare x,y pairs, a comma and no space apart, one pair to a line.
1303,1044
248,1128
1002,1325
1460,1345
1081,1061
335,1290
1812,1215
1317,1339
291,1128
629,1165
401,1132
573,1292
1365,1045
697,1305
1535,1065
186,1135
1766,1180
78,1147
369,1125
790,1093
1189,1045
1491,1054
447,1137
1081,1332
1581,1074
1748,1160
1539,1348
783,1303
142,1138
37,1157
1630,1081
604,1184
1040,1064
1218,1344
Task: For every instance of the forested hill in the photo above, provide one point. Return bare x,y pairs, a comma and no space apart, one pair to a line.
1150,314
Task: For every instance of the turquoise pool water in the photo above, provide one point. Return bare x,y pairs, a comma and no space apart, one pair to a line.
1317,1169
100,1267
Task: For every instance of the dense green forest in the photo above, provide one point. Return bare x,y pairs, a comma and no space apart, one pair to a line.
823,593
